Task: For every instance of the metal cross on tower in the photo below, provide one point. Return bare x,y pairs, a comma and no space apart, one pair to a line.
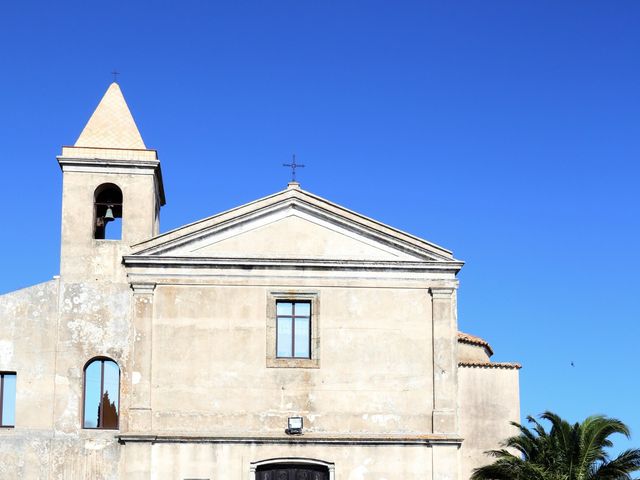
293,165
115,74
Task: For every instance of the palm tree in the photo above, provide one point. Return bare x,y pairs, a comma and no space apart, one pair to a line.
566,452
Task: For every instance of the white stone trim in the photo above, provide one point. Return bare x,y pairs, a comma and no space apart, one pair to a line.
141,261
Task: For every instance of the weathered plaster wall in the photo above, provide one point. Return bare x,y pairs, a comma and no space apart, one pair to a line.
94,321
48,333
39,455
488,399
47,441
210,377
228,461
29,320
210,373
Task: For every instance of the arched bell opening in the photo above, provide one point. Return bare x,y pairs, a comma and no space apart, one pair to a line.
108,212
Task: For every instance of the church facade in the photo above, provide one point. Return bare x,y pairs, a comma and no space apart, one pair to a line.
286,339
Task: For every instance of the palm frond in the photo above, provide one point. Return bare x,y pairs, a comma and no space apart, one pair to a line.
620,468
565,451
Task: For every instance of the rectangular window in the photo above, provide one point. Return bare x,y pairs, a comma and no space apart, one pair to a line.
293,325
293,329
7,399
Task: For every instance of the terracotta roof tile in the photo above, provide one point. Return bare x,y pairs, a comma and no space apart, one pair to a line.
507,365
473,340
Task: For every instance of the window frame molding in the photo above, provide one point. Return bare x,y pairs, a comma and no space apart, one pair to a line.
2,375
101,358
310,296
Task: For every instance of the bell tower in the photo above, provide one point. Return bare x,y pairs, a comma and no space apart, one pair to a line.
111,195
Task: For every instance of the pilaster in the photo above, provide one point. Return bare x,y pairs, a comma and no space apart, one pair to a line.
141,371
445,372
445,462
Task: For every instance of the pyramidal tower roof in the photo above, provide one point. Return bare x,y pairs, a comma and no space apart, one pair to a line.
110,143
111,125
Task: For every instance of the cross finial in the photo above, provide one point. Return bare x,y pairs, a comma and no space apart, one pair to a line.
293,165
115,74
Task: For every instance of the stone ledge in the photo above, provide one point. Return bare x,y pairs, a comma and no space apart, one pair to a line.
426,440
286,263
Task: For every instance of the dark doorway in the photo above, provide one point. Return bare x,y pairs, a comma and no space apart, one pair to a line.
292,472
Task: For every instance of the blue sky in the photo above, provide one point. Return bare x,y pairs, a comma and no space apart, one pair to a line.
506,131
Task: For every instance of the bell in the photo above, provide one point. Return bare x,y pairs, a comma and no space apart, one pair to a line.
109,215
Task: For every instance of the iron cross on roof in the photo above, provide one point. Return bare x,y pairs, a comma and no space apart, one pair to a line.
293,165
115,74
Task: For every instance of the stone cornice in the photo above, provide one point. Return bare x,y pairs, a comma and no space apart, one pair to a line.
441,292
143,288
141,261
116,165
101,163
308,439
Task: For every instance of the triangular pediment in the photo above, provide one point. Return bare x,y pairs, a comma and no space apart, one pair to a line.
292,224
289,233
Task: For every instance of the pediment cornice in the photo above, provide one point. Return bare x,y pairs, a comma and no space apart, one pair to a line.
178,246
288,264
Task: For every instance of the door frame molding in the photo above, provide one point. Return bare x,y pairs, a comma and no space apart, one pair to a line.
253,466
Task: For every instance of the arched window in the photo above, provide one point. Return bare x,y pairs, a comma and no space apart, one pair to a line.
107,203
101,394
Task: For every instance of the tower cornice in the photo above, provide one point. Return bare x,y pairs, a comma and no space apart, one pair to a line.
74,159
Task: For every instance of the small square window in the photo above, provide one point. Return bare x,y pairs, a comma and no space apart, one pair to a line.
7,399
292,329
